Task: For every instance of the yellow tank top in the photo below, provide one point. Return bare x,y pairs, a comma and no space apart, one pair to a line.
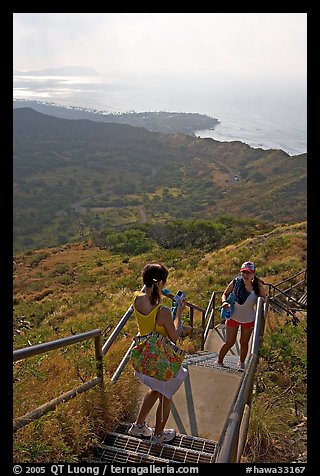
146,322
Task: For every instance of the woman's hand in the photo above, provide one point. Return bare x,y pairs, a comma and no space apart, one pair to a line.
181,305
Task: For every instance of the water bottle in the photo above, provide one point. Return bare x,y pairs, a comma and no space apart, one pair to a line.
175,303
225,313
174,312
174,309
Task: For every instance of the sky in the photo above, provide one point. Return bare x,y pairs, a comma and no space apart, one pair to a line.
169,45
249,70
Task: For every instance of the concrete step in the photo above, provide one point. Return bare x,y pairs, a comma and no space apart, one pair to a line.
120,447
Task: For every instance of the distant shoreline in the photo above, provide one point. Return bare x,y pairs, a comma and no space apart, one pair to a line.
167,122
192,124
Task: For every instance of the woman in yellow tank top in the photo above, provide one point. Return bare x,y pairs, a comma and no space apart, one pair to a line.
147,323
152,315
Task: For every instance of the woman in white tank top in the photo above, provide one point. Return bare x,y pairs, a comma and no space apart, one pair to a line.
246,290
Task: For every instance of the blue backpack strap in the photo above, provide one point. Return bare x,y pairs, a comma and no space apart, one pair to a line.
237,283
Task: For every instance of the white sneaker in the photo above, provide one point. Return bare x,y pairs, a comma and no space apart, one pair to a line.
140,430
240,366
164,437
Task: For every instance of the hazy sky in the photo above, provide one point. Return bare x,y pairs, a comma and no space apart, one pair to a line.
164,44
249,70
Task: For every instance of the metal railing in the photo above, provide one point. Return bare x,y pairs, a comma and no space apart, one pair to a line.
298,280
100,352
292,283
233,437
283,300
209,316
56,344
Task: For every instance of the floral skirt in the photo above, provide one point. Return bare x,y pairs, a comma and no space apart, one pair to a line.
167,388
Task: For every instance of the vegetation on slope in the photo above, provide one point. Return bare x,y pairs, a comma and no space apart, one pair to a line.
73,178
279,404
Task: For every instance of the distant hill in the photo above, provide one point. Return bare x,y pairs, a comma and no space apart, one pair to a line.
158,121
74,177
63,71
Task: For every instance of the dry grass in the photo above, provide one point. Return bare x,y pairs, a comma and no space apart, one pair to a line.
279,403
270,436
70,430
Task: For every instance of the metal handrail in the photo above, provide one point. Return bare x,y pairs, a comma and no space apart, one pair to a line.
294,276
122,364
117,330
46,347
209,317
283,293
54,344
119,327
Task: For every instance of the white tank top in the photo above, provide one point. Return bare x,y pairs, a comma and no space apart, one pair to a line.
245,312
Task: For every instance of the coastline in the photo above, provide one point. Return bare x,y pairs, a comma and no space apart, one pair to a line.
227,129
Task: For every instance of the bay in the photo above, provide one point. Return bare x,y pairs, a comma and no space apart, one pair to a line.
266,116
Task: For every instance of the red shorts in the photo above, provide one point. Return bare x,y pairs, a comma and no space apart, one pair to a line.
232,323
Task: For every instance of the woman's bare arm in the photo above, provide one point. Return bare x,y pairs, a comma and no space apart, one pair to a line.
227,291
164,319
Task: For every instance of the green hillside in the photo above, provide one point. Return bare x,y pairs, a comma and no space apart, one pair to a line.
73,178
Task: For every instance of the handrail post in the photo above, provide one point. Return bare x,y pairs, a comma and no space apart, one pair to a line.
207,321
99,357
257,327
191,313
213,310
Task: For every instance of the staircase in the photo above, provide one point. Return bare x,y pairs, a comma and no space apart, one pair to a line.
290,296
205,407
199,410
119,447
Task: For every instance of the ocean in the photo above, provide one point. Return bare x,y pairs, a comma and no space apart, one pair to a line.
267,116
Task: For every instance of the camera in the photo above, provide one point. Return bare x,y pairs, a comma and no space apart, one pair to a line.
179,296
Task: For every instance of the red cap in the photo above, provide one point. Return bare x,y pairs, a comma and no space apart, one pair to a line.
248,266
